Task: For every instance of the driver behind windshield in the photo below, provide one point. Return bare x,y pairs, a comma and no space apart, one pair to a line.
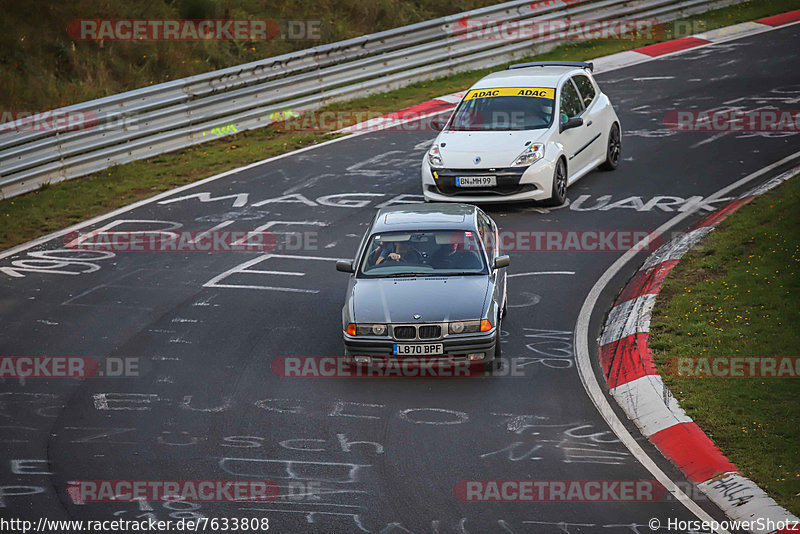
402,251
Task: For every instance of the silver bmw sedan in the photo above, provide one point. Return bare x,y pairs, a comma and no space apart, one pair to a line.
427,283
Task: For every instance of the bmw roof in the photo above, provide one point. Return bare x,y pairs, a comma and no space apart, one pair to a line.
433,216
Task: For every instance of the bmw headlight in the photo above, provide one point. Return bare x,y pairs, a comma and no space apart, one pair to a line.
530,155
469,327
465,327
379,329
434,156
371,330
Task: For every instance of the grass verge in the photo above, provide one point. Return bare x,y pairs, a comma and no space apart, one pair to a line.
43,67
54,207
736,295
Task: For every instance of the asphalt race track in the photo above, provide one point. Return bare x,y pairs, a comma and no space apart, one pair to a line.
384,454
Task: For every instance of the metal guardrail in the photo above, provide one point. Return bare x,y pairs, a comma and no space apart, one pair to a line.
168,116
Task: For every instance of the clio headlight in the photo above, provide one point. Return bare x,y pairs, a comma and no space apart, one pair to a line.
530,155
434,156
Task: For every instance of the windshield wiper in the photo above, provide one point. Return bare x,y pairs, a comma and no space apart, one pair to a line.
463,273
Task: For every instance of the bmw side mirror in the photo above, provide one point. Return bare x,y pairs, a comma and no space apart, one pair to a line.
437,123
345,266
571,123
501,261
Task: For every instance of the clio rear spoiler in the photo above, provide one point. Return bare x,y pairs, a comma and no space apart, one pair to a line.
577,64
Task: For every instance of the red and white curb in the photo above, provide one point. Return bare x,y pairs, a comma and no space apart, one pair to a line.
603,64
397,118
635,384
624,354
649,52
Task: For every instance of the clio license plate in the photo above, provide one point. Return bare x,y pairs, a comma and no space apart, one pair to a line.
476,181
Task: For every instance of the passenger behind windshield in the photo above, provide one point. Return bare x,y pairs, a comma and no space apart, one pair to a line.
424,253
452,256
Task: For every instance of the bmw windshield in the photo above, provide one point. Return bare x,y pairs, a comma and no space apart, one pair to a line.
504,109
425,253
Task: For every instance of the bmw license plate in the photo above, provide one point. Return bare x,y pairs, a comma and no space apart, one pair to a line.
418,349
476,181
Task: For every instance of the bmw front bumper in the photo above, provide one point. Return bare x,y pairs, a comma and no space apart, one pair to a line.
455,348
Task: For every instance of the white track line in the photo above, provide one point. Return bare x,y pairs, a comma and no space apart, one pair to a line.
583,360
40,240
536,273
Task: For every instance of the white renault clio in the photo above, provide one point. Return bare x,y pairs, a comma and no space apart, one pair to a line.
525,133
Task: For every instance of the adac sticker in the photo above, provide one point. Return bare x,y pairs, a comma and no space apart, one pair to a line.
536,92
